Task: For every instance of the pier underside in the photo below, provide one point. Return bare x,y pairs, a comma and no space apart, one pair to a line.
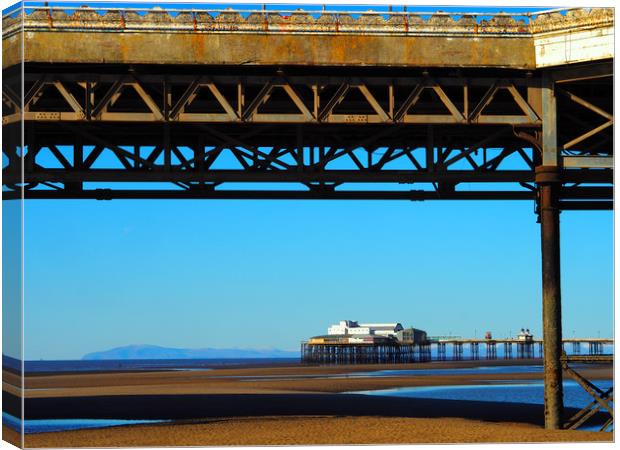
364,353
137,132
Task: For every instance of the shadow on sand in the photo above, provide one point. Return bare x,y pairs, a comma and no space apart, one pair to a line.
184,407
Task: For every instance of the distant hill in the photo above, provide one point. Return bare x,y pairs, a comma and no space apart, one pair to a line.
156,352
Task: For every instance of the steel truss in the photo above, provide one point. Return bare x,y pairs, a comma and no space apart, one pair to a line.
317,136
273,99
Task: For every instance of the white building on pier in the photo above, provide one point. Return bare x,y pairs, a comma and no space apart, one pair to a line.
351,327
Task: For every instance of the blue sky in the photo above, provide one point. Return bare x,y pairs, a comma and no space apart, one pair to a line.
268,274
316,6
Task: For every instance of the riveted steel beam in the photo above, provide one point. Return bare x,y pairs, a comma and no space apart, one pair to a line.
313,99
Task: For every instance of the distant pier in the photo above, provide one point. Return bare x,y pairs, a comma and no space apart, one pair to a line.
441,350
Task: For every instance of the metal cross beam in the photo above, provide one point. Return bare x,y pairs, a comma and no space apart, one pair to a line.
328,135
601,399
138,97
201,161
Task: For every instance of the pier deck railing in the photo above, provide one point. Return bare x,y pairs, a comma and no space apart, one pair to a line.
209,19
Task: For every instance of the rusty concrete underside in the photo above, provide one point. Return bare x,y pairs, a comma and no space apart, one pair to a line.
299,38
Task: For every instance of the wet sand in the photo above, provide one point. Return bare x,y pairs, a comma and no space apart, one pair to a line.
281,405
318,379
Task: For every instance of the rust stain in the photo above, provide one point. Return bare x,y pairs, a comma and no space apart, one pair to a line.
198,46
192,48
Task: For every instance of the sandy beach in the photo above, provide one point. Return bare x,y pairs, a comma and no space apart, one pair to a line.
311,430
280,405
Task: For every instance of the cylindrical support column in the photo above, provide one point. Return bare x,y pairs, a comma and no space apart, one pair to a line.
548,181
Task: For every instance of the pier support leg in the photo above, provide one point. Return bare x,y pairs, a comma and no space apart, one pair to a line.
552,313
549,183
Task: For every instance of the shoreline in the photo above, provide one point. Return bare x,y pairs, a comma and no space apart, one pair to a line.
287,363
274,379
228,400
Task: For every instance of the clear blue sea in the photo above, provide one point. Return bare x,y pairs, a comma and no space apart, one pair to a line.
133,365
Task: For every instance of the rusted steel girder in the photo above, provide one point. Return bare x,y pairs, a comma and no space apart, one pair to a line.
324,130
312,99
